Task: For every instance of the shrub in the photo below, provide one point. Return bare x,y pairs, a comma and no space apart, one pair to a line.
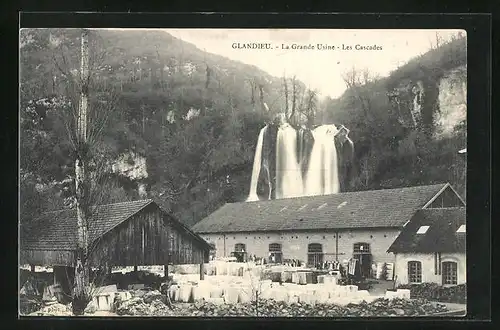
432,291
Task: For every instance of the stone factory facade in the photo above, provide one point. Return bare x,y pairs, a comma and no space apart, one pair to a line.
323,228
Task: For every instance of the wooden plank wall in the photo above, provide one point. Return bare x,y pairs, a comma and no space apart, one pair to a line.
47,258
446,199
148,239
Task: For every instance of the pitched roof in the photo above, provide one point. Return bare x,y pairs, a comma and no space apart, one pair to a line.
362,209
57,230
441,236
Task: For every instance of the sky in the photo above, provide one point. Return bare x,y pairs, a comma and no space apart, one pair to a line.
318,69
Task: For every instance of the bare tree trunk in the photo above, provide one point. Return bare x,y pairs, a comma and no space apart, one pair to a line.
366,172
207,83
252,95
285,86
81,269
143,120
261,95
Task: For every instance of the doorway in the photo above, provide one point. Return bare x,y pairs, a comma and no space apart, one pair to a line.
314,254
240,252
362,253
275,253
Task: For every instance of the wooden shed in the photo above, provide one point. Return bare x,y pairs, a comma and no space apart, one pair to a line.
136,233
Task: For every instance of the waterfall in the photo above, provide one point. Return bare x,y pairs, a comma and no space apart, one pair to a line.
322,173
257,161
307,163
288,172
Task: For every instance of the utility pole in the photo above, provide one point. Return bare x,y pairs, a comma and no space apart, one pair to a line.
81,273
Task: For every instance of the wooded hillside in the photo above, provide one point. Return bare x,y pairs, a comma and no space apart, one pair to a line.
391,151
195,117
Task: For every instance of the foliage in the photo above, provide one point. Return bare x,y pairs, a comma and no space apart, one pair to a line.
389,153
431,291
196,116
188,159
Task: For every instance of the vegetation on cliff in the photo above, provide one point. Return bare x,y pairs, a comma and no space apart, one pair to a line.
196,116
391,150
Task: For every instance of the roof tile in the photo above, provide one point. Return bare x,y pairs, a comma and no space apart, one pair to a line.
440,237
57,230
362,209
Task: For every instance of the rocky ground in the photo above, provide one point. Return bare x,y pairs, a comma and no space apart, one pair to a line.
151,304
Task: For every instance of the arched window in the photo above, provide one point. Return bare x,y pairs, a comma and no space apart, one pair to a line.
274,247
275,253
450,275
314,254
414,272
361,252
240,247
361,248
240,252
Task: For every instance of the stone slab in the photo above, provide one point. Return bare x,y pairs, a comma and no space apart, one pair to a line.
231,295
216,292
185,293
106,289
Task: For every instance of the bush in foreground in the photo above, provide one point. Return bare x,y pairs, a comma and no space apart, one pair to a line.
434,292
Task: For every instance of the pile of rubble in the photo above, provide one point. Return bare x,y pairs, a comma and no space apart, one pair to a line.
52,308
271,308
142,303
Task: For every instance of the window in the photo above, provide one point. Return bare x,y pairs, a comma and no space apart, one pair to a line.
449,270
414,272
422,229
361,248
275,253
240,252
314,254
239,247
274,247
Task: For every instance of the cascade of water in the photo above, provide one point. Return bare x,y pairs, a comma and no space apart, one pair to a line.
299,172
322,172
257,161
288,173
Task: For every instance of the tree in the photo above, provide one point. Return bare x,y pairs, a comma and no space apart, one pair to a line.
285,92
85,119
294,98
356,81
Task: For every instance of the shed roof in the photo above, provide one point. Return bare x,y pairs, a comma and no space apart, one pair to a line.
362,209
441,236
57,230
